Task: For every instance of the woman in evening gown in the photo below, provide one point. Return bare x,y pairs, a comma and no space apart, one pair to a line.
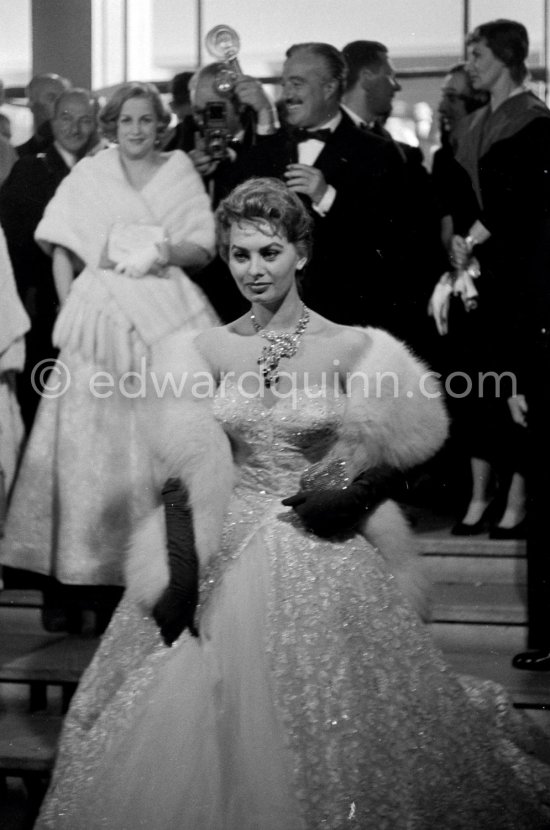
133,221
305,691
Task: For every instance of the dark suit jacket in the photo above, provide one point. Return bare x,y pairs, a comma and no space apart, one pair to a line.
38,142
348,277
182,136
23,197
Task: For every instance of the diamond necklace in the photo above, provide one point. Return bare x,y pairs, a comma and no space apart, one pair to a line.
280,344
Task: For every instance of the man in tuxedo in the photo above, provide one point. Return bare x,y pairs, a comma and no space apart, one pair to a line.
349,180
23,197
419,260
371,85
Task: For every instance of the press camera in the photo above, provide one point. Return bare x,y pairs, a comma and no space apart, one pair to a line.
215,129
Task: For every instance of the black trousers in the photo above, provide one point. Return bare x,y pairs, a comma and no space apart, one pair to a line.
538,492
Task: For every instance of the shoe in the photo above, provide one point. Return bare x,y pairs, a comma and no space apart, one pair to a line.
515,532
536,660
481,526
461,529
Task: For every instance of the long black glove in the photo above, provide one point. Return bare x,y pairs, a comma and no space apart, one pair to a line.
332,511
175,610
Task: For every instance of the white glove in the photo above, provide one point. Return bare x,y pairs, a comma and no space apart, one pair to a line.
438,307
141,262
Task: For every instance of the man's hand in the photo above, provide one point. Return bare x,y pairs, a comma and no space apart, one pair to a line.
302,178
249,91
460,252
204,164
518,409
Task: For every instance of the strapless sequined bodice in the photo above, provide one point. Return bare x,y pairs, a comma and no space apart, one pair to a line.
274,445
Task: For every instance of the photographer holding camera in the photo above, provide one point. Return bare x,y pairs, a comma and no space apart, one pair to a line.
227,122
227,125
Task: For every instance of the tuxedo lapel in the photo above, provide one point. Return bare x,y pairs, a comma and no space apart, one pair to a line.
276,153
56,164
333,158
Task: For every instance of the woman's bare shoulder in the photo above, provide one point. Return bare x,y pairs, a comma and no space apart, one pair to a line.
210,339
214,343
351,341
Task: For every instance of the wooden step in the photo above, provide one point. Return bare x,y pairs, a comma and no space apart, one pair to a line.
50,658
467,637
22,618
469,617
483,603
28,742
506,570
442,542
35,658
20,597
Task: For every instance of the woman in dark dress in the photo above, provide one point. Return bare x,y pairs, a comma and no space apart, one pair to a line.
504,148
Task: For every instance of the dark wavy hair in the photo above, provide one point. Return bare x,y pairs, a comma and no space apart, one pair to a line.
264,201
334,60
110,113
361,54
508,40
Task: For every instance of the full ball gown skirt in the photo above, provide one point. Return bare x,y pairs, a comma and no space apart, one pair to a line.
313,698
84,481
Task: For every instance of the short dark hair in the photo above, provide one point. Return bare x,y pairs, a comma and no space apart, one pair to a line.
179,87
508,40
361,54
260,201
110,113
334,60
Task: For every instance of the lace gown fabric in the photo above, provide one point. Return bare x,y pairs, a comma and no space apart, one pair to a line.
314,697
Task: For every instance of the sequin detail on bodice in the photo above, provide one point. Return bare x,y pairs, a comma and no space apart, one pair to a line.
274,445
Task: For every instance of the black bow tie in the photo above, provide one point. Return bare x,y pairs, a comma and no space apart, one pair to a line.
319,135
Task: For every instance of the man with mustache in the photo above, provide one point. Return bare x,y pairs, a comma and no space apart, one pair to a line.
349,180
